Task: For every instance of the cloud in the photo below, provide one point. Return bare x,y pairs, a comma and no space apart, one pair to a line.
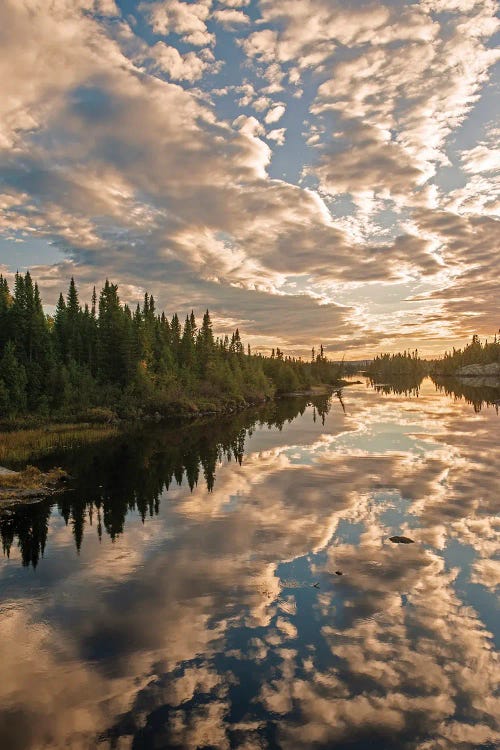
231,19
278,135
188,67
109,152
275,114
234,3
372,162
481,158
184,18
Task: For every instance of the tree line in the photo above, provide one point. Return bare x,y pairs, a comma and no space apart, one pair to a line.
105,357
409,363
477,352
405,364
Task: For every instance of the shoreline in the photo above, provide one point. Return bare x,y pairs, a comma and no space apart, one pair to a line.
34,439
98,417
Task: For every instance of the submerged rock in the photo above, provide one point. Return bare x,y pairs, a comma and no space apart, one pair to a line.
401,540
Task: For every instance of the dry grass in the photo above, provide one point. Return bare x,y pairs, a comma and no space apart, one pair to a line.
26,445
29,485
31,479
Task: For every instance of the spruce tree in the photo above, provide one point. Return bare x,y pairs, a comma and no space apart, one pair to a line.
205,344
108,333
18,319
73,325
175,336
187,353
60,329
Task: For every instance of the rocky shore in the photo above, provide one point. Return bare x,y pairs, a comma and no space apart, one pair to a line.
491,370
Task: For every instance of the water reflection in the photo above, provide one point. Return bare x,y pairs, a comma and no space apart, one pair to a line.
408,385
219,620
476,391
130,473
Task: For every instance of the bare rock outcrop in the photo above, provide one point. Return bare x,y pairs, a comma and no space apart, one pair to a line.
479,371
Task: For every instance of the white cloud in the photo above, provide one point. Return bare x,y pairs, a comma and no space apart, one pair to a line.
234,3
187,67
188,19
277,135
275,113
485,157
231,19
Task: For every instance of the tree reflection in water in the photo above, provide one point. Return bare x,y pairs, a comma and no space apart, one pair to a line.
132,473
220,622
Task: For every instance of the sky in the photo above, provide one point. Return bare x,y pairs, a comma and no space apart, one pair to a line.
309,170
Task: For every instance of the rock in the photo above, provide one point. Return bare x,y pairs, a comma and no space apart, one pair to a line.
475,371
401,540
6,472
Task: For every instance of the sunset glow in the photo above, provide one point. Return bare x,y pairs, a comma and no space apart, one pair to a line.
308,169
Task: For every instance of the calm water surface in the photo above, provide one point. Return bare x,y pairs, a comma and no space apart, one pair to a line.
185,591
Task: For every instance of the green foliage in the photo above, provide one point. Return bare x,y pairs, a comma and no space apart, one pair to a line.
405,365
106,359
14,381
475,353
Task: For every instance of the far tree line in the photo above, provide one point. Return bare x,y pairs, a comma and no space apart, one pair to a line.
410,364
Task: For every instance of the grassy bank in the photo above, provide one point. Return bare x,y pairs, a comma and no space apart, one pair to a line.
18,446
29,484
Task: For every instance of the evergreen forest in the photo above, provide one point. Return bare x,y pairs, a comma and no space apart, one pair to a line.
408,365
98,361
405,365
476,353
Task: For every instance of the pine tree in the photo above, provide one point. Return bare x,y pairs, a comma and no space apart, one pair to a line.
110,337
205,344
175,334
18,321
73,325
60,329
187,352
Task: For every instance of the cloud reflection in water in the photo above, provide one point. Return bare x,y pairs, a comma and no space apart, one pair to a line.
201,627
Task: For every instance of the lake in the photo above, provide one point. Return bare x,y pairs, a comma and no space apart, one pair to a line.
232,584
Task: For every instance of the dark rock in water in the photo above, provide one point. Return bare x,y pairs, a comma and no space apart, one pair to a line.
401,540
338,573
